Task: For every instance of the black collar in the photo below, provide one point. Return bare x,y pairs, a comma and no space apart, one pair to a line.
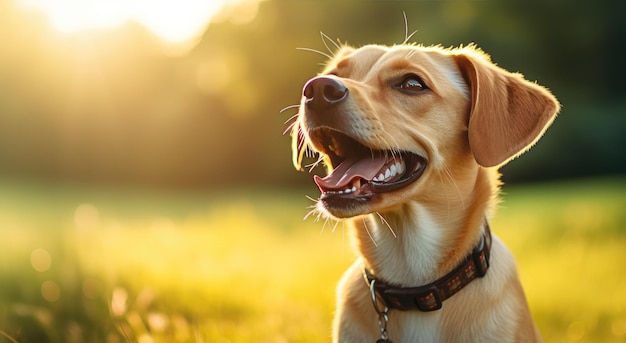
430,297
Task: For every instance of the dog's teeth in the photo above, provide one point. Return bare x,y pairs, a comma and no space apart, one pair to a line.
400,167
350,190
343,191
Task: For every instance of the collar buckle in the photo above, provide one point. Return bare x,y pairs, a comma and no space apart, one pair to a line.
480,256
429,301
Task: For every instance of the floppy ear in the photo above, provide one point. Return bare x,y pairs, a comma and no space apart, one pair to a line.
508,114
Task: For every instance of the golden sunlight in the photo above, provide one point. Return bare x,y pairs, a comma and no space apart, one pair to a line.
174,22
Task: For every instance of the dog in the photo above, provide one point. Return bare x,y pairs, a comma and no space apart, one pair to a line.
412,138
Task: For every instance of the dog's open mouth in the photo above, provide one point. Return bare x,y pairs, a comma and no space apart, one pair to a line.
360,172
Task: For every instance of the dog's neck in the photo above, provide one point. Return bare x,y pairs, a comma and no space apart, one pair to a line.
417,242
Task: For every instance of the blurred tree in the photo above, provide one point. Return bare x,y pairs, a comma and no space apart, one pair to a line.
108,106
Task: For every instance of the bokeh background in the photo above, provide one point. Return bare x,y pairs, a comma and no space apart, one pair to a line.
146,186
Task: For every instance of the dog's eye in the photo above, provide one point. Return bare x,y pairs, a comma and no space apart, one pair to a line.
411,84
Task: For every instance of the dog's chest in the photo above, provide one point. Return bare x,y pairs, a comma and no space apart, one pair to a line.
414,326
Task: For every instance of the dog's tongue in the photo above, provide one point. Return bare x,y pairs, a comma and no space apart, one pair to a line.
343,175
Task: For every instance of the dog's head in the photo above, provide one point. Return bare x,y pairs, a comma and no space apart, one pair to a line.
387,121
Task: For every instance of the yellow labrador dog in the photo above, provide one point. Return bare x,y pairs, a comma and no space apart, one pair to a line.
412,138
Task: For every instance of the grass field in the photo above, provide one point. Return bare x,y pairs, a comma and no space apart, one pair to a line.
95,265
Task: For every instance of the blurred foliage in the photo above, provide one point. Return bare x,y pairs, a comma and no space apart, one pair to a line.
110,106
115,265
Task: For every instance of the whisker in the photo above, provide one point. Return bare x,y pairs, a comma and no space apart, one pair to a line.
325,223
411,53
394,150
315,164
289,127
406,27
301,145
372,153
387,224
309,152
335,227
292,117
456,187
407,36
314,209
320,214
317,52
306,216
369,233
323,226
290,106
325,38
311,198
445,173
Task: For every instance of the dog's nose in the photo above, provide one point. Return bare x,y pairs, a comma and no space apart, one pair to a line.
323,92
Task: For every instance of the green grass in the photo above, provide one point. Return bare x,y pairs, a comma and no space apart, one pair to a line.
95,265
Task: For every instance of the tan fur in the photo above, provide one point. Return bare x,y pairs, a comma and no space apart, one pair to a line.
475,117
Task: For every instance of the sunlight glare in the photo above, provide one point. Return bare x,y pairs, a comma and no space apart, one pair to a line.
176,21
50,291
118,301
40,259
172,21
